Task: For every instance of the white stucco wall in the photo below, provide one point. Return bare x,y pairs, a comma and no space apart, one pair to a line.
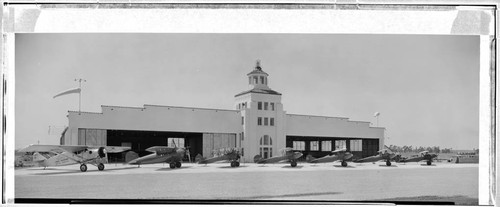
155,118
306,125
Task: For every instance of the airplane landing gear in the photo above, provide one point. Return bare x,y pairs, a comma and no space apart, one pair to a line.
344,164
388,163
429,162
178,164
293,164
235,164
83,167
172,165
100,166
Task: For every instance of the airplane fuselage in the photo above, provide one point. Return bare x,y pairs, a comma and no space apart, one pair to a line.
157,158
332,158
68,158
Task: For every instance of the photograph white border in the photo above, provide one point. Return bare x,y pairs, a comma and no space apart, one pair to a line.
327,17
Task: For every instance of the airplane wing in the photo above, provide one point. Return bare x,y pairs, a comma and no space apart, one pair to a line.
114,149
340,150
53,148
160,149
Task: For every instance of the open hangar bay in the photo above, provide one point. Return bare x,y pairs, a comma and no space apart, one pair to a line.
324,182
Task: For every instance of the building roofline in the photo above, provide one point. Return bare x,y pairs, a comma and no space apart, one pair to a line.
183,107
250,91
83,112
334,117
128,107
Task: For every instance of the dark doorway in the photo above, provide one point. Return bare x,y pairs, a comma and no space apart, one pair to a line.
139,141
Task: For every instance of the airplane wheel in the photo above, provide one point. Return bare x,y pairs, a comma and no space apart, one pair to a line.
178,164
293,164
233,164
83,167
100,166
344,164
172,165
237,164
429,162
388,163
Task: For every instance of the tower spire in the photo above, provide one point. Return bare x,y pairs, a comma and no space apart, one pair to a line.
257,65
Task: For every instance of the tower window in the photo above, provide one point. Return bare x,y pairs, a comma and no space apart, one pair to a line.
266,105
271,121
259,121
242,120
272,106
266,121
259,105
255,80
262,79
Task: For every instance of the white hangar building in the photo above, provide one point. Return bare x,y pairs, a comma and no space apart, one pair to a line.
257,125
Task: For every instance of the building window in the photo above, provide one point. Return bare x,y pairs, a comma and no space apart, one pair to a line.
259,105
265,146
299,145
340,144
242,136
314,146
266,105
272,106
262,79
175,142
259,121
266,121
356,145
242,151
242,120
271,122
326,146
255,79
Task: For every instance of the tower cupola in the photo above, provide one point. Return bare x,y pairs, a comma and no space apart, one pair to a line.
257,78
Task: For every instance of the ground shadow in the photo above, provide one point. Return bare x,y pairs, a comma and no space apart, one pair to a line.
456,200
387,166
427,165
170,169
65,171
297,167
289,195
233,167
340,166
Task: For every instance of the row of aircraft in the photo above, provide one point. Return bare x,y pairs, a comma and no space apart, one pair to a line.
58,155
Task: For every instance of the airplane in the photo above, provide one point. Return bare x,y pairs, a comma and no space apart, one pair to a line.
288,155
424,155
60,155
161,154
232,155
339,154
384,154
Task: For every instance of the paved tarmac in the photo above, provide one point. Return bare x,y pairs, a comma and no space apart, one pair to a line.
358,181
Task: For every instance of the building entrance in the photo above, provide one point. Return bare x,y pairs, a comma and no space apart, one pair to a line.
139,141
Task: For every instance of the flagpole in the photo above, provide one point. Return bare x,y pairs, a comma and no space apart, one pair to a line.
80,94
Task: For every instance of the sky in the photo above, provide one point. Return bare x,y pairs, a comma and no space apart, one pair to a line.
426,87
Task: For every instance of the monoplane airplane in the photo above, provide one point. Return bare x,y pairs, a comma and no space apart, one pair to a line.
162,154
384,154
340,154
287,155
59,155
232,155
424,155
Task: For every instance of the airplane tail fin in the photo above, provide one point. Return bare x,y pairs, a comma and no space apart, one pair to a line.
257,158
131,155
309,158
37,157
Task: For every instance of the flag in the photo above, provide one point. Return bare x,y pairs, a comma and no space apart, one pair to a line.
74,90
